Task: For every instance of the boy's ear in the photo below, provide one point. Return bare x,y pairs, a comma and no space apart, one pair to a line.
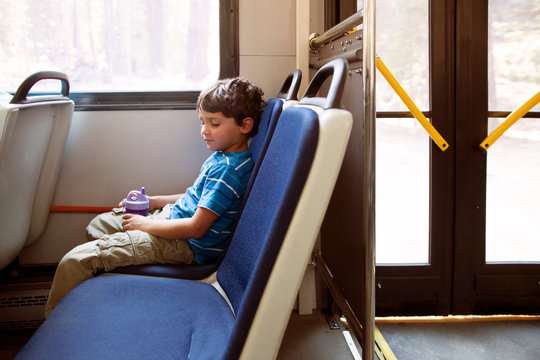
247,125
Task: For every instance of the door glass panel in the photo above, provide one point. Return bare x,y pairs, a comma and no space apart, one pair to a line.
512,199
514,53
402,163
513,167
402,192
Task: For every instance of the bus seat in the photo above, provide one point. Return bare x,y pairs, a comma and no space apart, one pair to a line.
244,313
287,96
33,136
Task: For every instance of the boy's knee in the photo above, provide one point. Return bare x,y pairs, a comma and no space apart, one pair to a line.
68,262
71,259
104,224
82,257
93,230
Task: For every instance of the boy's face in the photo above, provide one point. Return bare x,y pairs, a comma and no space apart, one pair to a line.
222,133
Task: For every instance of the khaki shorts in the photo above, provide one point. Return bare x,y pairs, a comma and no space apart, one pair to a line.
110,248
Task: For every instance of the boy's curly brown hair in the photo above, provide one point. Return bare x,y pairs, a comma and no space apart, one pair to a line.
237,98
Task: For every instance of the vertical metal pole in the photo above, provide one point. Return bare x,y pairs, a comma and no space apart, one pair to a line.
368,202
302,38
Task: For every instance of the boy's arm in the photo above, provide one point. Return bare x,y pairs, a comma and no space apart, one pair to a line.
159,201
185,228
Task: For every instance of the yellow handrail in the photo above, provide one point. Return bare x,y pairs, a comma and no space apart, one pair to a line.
510,120
383,347
433,133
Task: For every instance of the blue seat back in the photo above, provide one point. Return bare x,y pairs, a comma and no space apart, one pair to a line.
260,231
269,117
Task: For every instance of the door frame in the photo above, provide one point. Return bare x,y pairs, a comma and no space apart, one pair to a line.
457,280
427,289
480,288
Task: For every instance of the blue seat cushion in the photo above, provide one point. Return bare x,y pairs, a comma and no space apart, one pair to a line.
135,317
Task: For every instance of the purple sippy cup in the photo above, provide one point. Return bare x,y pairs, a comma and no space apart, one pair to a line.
137,202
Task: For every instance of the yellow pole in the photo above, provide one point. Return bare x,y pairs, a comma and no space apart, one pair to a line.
510,120
437,138
383,346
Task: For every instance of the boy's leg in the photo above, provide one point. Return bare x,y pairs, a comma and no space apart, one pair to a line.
110,252
105,224
139,248
81,263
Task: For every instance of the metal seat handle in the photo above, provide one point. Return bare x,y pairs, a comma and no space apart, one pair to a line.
336,68
21,95
289,89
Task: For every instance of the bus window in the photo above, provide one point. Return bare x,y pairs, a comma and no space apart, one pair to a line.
113,45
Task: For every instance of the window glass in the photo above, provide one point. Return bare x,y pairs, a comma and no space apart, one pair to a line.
513,162
512,196
402,192
402,164
402,44
111,45
514,53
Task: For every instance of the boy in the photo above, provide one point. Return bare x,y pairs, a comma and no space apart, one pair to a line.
182,228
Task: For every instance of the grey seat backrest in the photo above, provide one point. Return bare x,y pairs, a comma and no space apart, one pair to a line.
33,136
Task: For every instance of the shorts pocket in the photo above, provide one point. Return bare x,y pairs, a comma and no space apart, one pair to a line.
124,249
177,252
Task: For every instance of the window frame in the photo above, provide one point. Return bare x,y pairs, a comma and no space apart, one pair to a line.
168,100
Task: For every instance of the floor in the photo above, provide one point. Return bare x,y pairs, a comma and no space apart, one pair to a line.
489,340
309,337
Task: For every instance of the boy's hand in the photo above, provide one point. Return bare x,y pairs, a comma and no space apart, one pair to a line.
134,222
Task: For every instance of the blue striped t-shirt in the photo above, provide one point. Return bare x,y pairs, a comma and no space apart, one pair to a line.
219,188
